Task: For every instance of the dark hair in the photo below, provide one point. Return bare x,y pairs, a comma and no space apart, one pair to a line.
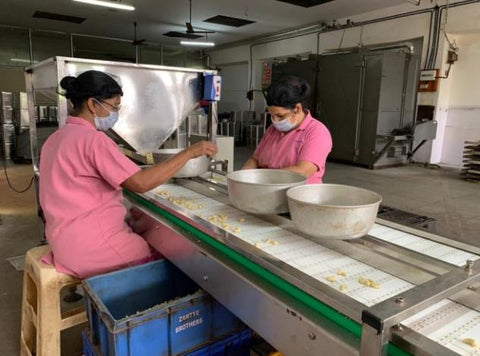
89,84
288,92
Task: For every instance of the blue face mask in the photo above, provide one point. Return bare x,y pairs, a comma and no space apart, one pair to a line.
283,125
104,123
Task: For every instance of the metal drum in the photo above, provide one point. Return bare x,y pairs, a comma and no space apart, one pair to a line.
262,191
333,211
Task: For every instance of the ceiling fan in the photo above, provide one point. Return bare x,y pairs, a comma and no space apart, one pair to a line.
190,32
190,29
136,42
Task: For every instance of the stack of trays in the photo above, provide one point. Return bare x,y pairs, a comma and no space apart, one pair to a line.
7,130
471,161
20,108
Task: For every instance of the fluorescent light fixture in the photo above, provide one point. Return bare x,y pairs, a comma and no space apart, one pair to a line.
21,60
111,4
196,43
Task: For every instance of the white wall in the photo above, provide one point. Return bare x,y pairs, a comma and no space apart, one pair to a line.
463,18
440,100
463,114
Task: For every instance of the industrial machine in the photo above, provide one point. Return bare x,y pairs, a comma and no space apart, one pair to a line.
395,291
367,101
157,100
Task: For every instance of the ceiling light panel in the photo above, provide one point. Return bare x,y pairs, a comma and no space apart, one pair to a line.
229,21
58,17
197,44
111,4
305,3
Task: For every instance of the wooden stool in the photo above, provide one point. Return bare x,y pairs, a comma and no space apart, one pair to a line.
42,319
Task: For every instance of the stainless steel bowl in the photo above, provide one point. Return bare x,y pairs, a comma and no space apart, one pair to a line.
333,211
262,191
193,168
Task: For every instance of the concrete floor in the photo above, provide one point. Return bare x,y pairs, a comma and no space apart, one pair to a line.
437,193
18,232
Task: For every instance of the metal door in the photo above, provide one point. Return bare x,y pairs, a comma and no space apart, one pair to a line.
338,96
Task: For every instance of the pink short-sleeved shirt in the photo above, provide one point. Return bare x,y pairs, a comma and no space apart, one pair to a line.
81,170
311,142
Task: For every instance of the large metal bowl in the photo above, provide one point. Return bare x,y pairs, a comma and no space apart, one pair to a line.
193,168
333,211
262,191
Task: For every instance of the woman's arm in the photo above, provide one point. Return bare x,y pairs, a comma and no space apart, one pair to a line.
314,152
305,168
149,178
251,163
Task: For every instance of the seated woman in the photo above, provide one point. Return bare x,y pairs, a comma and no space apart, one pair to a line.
82,173
295,140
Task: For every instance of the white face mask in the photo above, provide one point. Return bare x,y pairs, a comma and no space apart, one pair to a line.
103,123
284,125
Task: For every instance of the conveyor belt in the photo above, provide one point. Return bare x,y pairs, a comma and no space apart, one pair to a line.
447,322
312,259
426,247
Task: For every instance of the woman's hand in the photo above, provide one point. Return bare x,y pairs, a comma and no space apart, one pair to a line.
201,148
252,163
149,178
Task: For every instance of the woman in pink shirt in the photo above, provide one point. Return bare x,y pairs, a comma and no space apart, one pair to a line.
295,140
82,173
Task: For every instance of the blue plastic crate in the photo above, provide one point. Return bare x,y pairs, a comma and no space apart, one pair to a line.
235,345
88,348
224,322
153,309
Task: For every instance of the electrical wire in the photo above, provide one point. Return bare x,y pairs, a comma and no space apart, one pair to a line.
4,159
448,7
436,30
341,39
447,72
429,39
452,45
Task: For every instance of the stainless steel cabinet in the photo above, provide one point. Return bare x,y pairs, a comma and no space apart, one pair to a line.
367,101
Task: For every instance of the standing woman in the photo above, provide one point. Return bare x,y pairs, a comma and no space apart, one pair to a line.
82,173
295,141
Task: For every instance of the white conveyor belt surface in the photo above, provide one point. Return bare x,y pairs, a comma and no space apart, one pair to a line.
448,323
426,247
305,255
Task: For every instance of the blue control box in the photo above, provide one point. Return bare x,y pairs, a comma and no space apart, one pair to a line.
212,87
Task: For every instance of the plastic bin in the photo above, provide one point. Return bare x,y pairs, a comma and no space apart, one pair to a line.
234,345
153,309
88,348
